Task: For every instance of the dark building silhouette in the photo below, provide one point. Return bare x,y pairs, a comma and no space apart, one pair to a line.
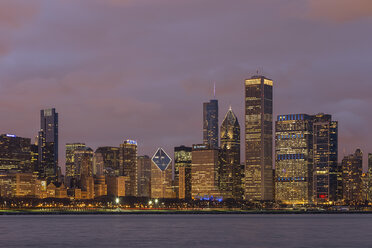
144,176
259,183
107,159
48,144
230,169
210,123
327,183
352,170
182,171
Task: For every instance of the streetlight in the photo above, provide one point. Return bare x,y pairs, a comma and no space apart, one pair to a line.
117,200
156,201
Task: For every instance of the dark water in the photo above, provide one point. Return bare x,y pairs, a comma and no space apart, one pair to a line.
187,231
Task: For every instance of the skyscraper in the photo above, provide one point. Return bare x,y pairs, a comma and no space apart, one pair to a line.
128,166
71,171
210,123
107,158
144,176
182,171
230,171
294,158
15,153
48,144
258,138
369,174
326,178
161,175
352,170
205,164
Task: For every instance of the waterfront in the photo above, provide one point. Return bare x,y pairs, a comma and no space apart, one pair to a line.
186,231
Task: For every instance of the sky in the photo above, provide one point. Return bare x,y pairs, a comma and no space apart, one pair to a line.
141,69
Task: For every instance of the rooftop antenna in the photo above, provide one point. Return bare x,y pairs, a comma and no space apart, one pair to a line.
214,90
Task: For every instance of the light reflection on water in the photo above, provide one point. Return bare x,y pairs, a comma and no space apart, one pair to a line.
186,231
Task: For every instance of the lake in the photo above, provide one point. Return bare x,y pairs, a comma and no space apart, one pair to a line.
322,230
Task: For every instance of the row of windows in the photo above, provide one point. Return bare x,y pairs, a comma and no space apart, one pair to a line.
290,136
290,179
295,117
290,156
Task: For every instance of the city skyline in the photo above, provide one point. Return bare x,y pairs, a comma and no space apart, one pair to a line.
98,89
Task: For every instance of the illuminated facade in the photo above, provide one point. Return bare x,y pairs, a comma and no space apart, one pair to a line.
258,139
182,171
115,185
352,170
15,153
210,123
144,176
327,184
71,170
83,164
294,159
230,170
161,175
48,144
205,173
369,175
128,166
107,160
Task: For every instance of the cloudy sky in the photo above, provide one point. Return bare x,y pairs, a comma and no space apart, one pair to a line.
140,69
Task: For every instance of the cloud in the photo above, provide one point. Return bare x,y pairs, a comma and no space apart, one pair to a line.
340,10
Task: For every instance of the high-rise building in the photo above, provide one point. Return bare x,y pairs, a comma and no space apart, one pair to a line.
294,158
230,171
144,176
352,170
107,160
258,139
327,183
71,170
205,173
210,123
161,175
182,171
48,144
128,166
15,153
369,175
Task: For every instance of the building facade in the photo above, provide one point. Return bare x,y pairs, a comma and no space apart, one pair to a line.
230,170
210,123
107,160
144,176
161,175
48,144
15,153
294,159
182,171
71,170
258,139
352,170
128,166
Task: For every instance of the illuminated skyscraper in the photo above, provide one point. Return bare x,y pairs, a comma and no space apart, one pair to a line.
230,171
71,171
369,174
15,153
83,164
210,123
161,175
48,144
294,158
205,173
352,170
128,166
144,176
182,171
258,139
327,183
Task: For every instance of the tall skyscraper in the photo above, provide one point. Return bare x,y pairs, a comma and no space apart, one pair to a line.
205,165
327,183
71,171
352,170
144,176
182,171
258,138
294,158
48,144
128,166
210,123
230,171
161,175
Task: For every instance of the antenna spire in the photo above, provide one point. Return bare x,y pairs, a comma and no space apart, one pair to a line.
214,90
